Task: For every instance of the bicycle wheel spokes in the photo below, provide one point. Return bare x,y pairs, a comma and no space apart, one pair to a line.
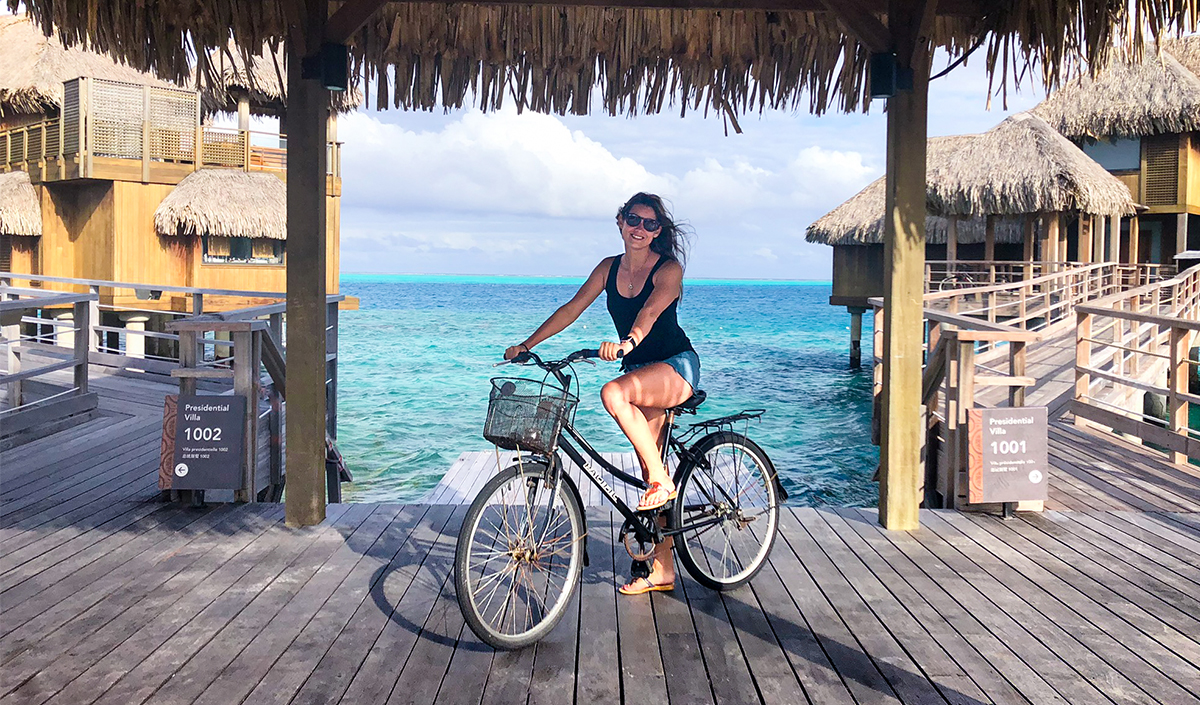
730,503
521,555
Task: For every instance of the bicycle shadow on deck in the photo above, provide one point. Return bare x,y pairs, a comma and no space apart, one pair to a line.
420,599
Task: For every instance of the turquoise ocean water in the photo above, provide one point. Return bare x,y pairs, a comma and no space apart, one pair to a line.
416,359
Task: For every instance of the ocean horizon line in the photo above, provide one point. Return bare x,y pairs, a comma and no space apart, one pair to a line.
557,279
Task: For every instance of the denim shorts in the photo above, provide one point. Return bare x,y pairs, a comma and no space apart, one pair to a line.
686,363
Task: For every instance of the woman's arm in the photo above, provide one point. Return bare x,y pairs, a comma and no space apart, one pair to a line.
668,282
566,314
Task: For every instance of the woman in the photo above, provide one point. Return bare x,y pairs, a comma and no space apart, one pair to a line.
661,370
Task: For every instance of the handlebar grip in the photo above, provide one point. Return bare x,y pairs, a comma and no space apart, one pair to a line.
595,352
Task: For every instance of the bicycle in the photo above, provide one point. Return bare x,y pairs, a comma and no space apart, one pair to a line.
523,543
956,280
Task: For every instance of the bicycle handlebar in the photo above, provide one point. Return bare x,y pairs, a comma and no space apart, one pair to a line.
552,365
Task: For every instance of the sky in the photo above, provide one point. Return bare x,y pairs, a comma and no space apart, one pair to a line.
503,193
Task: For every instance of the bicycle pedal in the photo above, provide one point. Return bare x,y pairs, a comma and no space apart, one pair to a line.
639,569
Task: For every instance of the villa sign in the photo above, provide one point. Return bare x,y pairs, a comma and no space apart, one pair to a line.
208,443
1007,455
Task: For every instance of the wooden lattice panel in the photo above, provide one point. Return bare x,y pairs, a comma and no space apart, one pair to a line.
173,124
116,113
1162,170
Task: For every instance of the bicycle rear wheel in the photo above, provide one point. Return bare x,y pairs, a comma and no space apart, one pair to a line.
728,510
519,557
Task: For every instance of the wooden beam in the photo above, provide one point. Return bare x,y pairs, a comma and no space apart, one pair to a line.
989,242
944,8
901,474
349,18
1134,237
307,117
861,22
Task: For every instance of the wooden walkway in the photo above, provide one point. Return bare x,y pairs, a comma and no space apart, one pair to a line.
110,596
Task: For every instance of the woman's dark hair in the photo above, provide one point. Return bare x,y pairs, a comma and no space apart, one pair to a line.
672,242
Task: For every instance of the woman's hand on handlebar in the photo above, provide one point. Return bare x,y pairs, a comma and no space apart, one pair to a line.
612,351
515,350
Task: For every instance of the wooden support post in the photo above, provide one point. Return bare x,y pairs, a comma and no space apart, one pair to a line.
1083,359
93,320
1134,244
1028,240
331,369
989,246
856,316
1114,239
307,117
1016,368
245,385
952,244
1178,380
1084,243
1181,232
902,474
12,341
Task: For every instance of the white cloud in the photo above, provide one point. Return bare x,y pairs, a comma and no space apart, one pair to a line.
499,162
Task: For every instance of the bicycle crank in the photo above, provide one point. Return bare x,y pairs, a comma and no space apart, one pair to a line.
637,549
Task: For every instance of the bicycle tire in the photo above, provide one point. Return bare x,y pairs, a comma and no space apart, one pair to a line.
469,576
697,503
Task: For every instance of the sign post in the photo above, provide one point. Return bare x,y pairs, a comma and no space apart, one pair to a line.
1007,459
208,440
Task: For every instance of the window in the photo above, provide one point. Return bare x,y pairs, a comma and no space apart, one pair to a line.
1116,154
242,250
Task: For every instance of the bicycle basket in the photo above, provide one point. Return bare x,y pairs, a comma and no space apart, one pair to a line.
525,414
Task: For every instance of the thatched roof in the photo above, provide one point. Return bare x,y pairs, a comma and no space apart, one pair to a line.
225,203
20,210
859,221
34,66
224,75
1022,166
1159,94
552,58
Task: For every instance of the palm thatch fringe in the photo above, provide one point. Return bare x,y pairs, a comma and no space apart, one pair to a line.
34,66
1022,166
20,210
225,203
552,59
1159,94
224,74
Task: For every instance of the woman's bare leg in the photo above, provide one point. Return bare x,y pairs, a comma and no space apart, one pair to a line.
637,401
656,386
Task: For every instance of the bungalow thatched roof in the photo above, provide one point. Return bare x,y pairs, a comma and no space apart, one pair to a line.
860,220
553,58
225,74
1022,166
34,66
20,210
225,203
1158,94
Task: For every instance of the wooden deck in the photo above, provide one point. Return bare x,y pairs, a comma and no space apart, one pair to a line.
112,597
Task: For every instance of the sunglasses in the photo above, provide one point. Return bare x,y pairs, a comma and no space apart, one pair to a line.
648,224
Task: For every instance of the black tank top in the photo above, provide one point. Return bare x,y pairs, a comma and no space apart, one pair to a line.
665,339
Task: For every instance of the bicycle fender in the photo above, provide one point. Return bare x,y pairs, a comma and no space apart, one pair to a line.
564,477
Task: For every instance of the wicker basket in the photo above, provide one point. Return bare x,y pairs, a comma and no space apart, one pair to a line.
526,414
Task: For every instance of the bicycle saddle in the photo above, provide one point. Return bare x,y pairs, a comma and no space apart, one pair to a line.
692,403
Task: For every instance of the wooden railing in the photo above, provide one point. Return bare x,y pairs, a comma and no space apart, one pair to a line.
24,409
248,150
1135,365
257,336
976,341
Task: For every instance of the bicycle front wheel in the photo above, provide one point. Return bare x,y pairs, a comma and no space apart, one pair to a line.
727,511
519,557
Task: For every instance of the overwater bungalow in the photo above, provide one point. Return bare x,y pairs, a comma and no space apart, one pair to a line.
1014,194
1139,120
132,182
